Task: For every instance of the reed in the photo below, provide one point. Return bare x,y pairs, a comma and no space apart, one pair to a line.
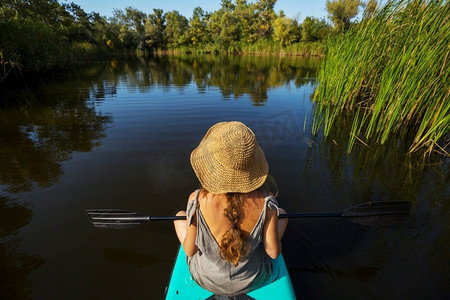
268,47
391,72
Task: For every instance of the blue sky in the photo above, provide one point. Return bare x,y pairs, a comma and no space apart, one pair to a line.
292,8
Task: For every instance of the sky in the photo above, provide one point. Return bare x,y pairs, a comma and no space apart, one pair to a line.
298,9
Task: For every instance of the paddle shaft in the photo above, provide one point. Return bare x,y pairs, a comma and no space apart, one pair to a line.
175,218
371,213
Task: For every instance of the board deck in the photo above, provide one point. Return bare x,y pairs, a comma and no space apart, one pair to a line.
182,286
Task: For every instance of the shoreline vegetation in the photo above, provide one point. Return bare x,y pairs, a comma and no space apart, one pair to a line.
45,36
261,48
389,76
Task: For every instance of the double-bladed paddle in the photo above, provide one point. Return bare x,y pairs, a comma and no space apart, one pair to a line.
371,213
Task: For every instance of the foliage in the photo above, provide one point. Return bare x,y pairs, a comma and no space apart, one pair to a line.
131,27
314,29
154,29
198,26
177,29
285,30
37,36
264,17
41,35
391,72
341,12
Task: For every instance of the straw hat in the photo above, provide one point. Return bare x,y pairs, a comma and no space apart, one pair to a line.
229,159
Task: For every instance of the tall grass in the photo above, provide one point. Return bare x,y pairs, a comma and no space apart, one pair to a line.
260,47
391,72
269,47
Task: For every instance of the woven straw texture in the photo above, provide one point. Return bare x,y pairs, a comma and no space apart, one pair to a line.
229,159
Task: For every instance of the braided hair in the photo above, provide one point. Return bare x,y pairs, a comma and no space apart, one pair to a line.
233,245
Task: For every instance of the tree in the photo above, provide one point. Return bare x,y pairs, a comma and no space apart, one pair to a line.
245,13
214,26
314,29
177,29
130,24
77,22
230,32
340,12
285,30
265,16
154,29
198,26
227,5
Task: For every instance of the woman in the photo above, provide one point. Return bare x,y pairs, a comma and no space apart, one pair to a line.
232,231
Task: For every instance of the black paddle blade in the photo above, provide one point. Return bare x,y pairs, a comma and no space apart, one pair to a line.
378,213
115,218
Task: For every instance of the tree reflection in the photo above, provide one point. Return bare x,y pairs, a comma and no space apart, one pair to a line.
35,141
233,76
54,121
15,266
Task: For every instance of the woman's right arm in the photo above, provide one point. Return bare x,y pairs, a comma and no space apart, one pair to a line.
271,239
189,246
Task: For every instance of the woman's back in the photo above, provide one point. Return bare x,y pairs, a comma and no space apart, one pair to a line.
207,267
212,208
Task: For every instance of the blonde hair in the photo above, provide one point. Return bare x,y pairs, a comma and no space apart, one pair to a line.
233,246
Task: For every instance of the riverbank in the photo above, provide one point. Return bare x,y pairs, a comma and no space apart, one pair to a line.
63,55
47,36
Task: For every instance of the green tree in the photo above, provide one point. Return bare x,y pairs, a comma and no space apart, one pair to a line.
340,12
314,29
154,29
130,25
224,25
198,26
104,33
45,11
177,29
77,22
214,26
285,30
227,5
230,32
265,16
34,36
245,13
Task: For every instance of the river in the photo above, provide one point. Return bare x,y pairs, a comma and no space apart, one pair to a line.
118,135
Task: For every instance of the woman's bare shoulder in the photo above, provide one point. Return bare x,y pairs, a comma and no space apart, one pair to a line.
192,196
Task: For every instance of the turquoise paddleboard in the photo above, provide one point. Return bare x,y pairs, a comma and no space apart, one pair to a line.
182,286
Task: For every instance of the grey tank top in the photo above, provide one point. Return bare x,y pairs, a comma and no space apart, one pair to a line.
219,276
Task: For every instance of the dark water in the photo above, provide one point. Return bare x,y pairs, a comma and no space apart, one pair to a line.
119,134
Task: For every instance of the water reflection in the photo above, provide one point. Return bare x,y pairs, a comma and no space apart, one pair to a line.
234,76
381,173
373,255
33,142
52,123
14,265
